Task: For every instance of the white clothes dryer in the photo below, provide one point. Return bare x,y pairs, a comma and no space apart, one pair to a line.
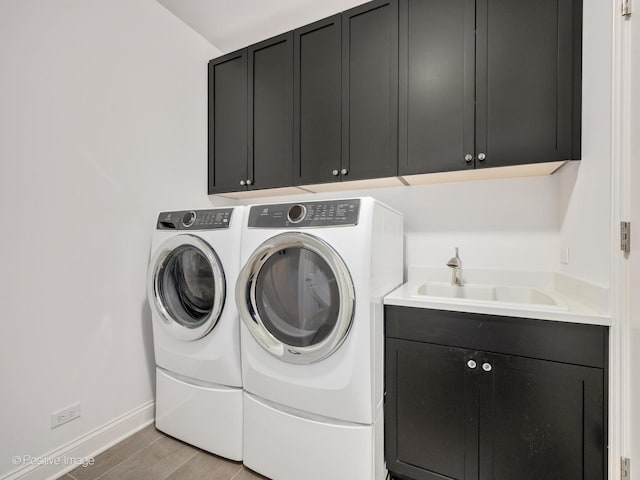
310,299
192,272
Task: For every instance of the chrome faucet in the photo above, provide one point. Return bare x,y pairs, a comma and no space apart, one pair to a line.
455,264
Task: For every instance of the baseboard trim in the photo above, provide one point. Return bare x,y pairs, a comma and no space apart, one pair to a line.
88,445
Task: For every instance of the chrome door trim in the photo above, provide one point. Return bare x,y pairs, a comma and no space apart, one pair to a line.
246,298
158,308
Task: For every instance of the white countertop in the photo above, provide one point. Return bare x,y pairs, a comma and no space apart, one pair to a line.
577,302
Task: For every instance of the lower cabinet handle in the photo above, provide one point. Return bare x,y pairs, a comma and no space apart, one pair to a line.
487,367
249,182
335,173
472,364
344,171
243,183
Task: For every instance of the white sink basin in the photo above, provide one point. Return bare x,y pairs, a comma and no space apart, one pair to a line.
496,294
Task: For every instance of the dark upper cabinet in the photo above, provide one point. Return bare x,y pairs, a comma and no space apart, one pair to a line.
370,90
528,81
399,87
318,102
251,117
271,113
228,123
437,85
468,399
488,83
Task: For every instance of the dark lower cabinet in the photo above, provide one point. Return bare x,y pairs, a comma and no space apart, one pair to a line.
435,398
540,420
477,414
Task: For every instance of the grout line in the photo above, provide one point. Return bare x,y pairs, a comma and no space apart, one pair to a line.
182,464
238,472
127,458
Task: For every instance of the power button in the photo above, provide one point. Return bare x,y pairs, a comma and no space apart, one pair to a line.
188,218
297,213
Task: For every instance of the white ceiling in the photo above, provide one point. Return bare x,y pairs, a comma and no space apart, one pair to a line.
233,24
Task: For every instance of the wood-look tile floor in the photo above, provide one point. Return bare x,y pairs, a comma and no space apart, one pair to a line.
152,455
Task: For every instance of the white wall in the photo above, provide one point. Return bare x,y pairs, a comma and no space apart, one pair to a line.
585,187
509,224
102,125
233,25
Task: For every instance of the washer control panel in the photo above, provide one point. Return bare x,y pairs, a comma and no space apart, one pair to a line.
328,213
195,219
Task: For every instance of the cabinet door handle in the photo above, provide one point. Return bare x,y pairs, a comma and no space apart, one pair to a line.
468,158
344,171
472,364
335,173
243,183
481,157
249,182
487,367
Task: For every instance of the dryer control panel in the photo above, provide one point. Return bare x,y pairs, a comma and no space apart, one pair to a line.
195,219
327,213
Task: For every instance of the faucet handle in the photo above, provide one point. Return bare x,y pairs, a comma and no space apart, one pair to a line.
455,262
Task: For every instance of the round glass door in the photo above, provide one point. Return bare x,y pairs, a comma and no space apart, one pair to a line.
186,286
296,297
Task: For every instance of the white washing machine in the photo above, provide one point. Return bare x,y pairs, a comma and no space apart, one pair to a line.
310,298
193,268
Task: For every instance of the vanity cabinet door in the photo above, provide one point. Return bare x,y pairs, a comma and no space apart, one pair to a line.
540,420
431,411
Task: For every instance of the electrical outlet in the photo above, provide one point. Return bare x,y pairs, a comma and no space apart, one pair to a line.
65,415
564,255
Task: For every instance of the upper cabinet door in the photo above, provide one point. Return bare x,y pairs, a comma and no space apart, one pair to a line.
271,113
318,102
528,71
437,85
228,122
370,90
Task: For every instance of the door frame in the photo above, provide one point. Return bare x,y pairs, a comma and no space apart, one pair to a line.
620,371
